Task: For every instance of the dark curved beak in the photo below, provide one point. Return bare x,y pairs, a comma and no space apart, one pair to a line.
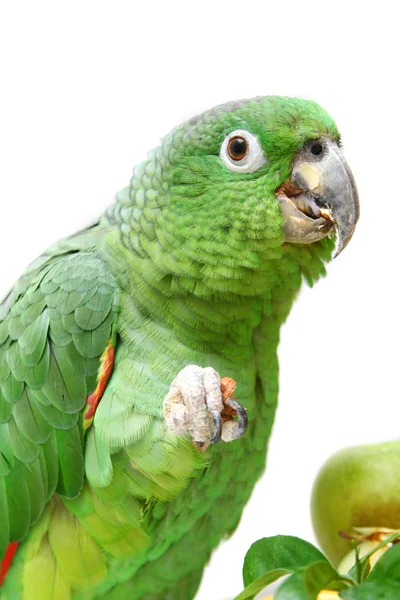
328,182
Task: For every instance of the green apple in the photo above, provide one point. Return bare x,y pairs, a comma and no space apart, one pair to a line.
358,487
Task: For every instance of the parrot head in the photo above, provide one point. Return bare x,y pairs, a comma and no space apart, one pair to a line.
239,196
258,174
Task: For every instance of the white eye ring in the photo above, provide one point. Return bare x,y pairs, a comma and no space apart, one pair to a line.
254,158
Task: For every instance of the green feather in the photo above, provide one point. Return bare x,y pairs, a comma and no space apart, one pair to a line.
50,466
15,327
102,300
33,340
12,389
4,465
42,578
4,524
19,507
88,319
75,299
98,466
34,310
5,444
85,366
70,456
5,409
57,332
126,431
30,421
23,449
68,282
91,344
55,299
64,390
79,558
34,295
35,484
17,367
3,330
37,375
57,418
4,369
69,323
48,286
82,506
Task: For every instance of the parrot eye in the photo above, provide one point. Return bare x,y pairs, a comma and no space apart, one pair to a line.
237,148
316,148
241,152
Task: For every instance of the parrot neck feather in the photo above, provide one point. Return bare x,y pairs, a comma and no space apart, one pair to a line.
212,294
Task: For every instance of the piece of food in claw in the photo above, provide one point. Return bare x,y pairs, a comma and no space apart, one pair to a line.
357,488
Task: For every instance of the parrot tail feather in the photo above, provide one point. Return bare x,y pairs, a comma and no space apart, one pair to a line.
7,560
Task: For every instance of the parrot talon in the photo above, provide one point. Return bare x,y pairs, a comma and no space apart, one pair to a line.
217,427
196,404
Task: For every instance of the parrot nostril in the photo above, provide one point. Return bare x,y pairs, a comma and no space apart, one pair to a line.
319,201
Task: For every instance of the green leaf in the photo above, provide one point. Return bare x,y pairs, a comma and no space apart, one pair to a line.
388,566
269,559
259,584
372,590
322,576
278,552
293,588
305,584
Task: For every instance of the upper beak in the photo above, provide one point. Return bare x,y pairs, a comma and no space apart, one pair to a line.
328,185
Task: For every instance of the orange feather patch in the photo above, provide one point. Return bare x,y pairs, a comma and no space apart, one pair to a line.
92,401
7,560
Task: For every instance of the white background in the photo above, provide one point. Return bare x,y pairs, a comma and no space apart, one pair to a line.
88,87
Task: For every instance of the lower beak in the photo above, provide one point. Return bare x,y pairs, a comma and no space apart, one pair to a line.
329,186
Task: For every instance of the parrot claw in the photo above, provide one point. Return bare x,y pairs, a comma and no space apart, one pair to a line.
217,427
196,404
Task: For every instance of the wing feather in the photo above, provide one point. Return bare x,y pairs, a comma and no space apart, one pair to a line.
54,326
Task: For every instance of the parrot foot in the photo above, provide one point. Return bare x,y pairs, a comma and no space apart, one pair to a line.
197,403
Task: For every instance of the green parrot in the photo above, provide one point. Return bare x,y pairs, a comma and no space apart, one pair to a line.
124,457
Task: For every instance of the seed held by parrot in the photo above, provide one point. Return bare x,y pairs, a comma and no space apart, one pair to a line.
122,464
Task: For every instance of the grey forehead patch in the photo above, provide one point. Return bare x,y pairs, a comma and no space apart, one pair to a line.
226,107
